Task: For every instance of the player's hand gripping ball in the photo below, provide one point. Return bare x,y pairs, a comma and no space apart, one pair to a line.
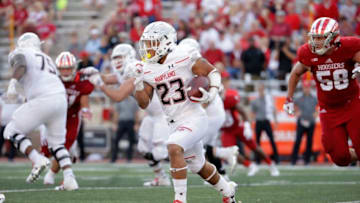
193,89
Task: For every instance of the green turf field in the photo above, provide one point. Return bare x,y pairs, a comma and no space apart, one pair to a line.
123,183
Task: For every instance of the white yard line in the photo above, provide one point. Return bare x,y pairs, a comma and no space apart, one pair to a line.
267,183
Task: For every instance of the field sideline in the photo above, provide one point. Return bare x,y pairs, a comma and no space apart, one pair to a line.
123,183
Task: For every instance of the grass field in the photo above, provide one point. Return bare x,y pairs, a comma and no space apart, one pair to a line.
123,183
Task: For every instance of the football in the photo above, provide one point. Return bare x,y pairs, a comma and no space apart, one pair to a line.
195,84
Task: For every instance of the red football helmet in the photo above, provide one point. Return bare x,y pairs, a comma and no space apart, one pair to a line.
66,64
324,34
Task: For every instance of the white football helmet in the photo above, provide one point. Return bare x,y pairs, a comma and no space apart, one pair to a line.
191,42
327,28
122,54
159,37
29,40
66,60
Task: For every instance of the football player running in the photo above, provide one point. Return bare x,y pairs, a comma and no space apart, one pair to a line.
168,69
46,104
239,128
216,115
331,60
153,131
77,90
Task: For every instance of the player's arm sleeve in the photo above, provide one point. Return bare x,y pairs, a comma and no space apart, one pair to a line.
17,61
356,49
302,56
88,88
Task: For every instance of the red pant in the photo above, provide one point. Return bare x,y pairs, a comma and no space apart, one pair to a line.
229,138
72,130
337,126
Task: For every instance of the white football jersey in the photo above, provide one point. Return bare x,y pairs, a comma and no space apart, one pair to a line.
170,80
154,108
41,77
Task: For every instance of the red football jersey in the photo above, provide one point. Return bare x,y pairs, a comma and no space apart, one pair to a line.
333,72
232,116
74,90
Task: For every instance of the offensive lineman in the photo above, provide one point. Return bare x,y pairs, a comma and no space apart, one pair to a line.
168,69
46,104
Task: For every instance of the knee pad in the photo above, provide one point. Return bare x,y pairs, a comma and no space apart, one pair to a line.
195,163
61,155
20,141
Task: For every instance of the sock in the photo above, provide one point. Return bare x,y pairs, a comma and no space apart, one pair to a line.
246,163
34,156
223,187
68,172
51,173
158,170
221,152
180,187
267,160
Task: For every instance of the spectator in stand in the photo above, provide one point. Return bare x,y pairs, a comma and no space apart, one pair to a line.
213,54
36,13
117,22
102,58
61,6
264,111
151,9
235,68
306,114
85,60
5,5
46,31
357,21
112,37
95,4
348,10
346,28
327,8
182,30
94,42
209,33
209,6
136,30
20,15
292,18
286,56
185,10
280,30
253,60
75,46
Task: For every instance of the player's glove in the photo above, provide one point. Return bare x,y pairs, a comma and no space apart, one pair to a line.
356,71
247,130
11,91
89,70
207,96
135,70
289,106
96,80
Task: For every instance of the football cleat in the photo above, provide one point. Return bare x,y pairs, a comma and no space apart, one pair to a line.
68,184
177,201
158,181
49,179
231,197
37,169
232,158
274,171
253,169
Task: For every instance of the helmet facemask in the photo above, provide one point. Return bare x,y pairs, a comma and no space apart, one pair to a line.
67,73
321,46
